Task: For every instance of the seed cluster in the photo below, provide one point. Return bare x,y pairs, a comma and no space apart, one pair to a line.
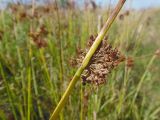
39,37
101,64
157,53
123,15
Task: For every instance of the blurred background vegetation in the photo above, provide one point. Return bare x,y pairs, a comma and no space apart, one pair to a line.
38,43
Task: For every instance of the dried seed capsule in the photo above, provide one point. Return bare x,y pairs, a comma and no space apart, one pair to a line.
101,64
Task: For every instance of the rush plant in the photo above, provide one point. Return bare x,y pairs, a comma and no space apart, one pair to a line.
87,59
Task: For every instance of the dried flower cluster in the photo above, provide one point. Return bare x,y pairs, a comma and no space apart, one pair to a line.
123,15
157,53
38,37
24,11
129,62
90,5
101,64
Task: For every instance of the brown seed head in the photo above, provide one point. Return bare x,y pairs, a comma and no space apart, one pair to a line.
41,43
130,62
101,64
43,30
34,35
23,15
121,17
38,39
127,13
157,53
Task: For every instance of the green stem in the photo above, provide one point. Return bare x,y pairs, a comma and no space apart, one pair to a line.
29,95
29,86
86,60
35,86
81,93
143,78
9,93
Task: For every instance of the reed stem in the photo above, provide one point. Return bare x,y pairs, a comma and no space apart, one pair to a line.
86,60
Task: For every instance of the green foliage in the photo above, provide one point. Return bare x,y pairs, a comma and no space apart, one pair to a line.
33,79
